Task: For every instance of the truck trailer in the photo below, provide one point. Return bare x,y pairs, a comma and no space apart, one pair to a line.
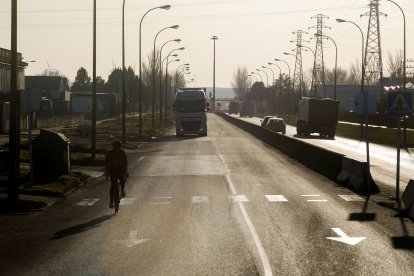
190,108
317,115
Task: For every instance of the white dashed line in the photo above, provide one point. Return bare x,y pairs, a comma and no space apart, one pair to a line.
127,201
141,158
317,200
276,198
239,198
199,199
309,195
351,198
88,202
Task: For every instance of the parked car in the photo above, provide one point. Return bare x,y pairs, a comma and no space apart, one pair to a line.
277,125
265,120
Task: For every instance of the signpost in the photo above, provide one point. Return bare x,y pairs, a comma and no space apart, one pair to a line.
399,104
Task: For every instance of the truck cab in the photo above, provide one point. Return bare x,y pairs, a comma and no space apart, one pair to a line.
190,108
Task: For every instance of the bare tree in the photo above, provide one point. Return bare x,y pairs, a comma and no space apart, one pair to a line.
354,74
341,76
395,64
240,82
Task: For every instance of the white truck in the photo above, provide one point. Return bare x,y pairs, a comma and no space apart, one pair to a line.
190,108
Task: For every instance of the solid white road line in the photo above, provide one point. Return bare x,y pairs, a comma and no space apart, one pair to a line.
262,253
317,200
199,199
238,198
127,201
351,198
141,158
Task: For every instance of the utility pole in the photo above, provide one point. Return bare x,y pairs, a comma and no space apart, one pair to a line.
373,53
214,38
93,130
14,137
298,74
318,76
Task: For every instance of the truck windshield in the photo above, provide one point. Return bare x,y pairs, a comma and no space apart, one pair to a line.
188,105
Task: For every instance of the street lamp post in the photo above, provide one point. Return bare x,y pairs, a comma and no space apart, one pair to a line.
280,86
336,59
287,64
253,73
153,77
365,93
166,85
93,126
123,74
273,73
253,76
267,78
165,7
290,82
402,118
160,73
214,38
166,77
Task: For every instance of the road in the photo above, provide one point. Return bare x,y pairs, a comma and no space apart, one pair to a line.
225,204
383,159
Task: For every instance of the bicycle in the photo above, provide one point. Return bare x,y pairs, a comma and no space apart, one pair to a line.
115,190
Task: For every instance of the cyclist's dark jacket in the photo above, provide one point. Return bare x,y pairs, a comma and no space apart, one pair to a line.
116,162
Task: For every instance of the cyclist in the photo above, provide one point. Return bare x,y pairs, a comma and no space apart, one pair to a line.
116,169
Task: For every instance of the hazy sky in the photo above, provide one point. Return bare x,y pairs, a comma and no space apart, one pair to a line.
251,33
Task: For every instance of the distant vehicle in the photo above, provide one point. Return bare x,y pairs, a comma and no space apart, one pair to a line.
276,124
265,120
247,109
233,107
190,108
317,116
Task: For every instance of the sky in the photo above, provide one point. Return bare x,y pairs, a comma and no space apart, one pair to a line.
57,34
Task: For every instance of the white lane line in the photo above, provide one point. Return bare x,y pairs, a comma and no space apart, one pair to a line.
262,253
351,198
238,198
199,199
317,200
161,203
141,158
127,201
309,195
276,198
88,202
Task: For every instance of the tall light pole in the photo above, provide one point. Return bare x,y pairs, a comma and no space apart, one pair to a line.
166,85
184,65
280,86
405,43
403,118
253,73
336,59
273,73
365,93
166,77
289,83
153,76
267,78
123,74
214,38
93,127
253,76
160,73
14,137
166,7
276,59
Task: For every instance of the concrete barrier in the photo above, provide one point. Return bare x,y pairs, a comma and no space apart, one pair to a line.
407,198
354,175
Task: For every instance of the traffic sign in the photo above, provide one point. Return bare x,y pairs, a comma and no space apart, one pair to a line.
400,103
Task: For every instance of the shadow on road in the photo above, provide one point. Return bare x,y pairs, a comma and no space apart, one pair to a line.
363,216
404,242
77,229
173,138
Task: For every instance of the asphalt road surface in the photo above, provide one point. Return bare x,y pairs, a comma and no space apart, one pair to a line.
383,159
225,204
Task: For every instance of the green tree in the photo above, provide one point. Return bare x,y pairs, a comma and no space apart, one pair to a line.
82,81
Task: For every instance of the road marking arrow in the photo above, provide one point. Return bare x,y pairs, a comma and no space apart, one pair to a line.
345,238
132,240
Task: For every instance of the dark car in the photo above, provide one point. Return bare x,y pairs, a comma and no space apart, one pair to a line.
277,125
265,120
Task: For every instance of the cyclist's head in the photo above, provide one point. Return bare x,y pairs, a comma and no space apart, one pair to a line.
116,144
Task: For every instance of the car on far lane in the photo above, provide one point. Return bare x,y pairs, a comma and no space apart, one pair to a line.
277,125
265,120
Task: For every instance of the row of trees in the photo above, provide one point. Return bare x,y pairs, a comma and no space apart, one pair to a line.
281,96
113,84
